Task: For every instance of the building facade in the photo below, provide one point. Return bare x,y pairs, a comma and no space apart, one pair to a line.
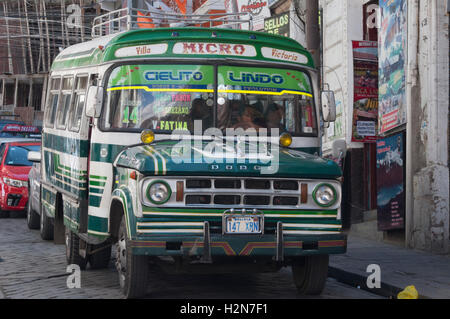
398,187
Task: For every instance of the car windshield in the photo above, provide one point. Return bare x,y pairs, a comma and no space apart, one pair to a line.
165,98
18,155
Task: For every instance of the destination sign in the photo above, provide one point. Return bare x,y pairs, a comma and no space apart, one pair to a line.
283,55
214,49
152,49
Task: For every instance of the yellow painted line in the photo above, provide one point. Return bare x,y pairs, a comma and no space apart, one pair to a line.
159,90
266,92
209,91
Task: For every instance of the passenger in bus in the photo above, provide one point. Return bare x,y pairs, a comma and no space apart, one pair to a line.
247,118
235,108
259,117
274,116
201,112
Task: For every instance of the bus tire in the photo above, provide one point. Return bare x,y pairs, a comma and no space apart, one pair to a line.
310,274
100,259
73,250
133,270
46,226
33,221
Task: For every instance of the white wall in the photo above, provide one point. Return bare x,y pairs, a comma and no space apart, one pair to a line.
342,23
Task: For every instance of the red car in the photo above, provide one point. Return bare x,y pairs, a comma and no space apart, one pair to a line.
14,169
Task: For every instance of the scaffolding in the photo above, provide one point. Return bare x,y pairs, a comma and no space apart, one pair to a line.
126,19
32,33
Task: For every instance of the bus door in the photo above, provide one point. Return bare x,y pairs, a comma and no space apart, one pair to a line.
78,128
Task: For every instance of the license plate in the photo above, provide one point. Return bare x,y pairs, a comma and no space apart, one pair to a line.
243,224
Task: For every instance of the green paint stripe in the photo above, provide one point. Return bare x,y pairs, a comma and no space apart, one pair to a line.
63,144
94,200
96,190
199,219
71,220
97,224
311,228
168,227
98,177
73,171
71,181
96,183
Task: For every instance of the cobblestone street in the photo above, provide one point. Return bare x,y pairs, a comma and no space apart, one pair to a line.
33,268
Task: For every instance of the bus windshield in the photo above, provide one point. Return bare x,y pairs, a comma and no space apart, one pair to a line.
265,98
165,98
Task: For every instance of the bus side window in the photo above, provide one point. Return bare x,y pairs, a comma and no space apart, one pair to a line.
77,106
52,102
63,108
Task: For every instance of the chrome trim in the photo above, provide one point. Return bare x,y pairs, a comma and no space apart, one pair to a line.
212,191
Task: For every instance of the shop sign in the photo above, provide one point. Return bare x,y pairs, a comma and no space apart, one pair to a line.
391,182
278,24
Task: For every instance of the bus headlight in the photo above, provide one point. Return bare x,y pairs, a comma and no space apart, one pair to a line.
159,192
325,195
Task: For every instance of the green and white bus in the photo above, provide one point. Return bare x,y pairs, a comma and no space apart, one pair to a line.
136,159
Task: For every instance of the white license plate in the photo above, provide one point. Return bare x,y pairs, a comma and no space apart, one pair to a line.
243,225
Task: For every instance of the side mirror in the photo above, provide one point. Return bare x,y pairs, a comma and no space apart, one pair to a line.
94,101
328,106
34,157
339,148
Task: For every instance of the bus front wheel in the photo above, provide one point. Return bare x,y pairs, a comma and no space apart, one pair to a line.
310,274
133,269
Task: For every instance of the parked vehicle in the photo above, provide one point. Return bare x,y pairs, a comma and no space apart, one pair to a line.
34,195
14,169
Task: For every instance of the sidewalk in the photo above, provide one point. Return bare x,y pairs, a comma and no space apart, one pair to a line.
400,267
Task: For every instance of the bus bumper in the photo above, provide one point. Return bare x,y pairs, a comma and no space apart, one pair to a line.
209,245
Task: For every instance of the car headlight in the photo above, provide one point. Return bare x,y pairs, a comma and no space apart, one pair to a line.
159,192
325,195
15,182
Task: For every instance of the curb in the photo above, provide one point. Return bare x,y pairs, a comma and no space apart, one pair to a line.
353,279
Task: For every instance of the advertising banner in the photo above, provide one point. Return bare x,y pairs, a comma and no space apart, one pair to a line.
392,35
259,9
365,101
390,182
278,24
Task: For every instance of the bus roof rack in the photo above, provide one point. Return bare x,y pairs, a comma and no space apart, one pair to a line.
127,19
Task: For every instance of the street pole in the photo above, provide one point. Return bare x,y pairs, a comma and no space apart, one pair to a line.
312,29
